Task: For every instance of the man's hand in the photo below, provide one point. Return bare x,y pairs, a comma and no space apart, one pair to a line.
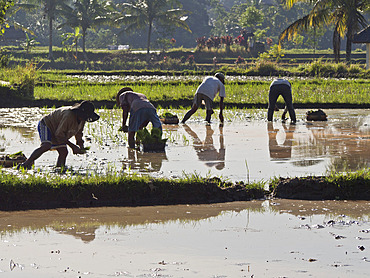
123,128
78,150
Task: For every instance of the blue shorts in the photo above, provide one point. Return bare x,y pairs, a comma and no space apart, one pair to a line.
45,135
141,116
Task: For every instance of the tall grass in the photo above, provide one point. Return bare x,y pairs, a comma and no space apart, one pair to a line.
21,77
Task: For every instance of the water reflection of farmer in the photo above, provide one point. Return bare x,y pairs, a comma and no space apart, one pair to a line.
144,161
284,150
281,87
206,150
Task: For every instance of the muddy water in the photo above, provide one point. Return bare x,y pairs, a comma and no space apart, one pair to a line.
275,238
245,148
262,238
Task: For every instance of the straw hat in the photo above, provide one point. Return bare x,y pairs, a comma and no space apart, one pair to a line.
85,110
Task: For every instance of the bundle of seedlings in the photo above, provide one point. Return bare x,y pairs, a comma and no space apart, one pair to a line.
11,160
317,115
169,118
151,141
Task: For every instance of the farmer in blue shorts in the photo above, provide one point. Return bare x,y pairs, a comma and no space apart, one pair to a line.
141,113
58,127
284,88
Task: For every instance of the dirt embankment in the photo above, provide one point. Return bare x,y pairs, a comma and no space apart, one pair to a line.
125,194
159,192
320,188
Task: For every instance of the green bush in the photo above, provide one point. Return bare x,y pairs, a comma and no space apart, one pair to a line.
4,59
265,67
22,78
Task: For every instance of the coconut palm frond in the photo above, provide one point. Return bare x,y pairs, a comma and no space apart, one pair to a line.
290,3
176,17
301,24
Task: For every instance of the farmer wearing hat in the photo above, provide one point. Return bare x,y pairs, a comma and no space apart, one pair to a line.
206,92
141,113
58,127
284,88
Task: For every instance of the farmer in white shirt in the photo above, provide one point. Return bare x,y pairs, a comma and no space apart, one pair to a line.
206,92
281,87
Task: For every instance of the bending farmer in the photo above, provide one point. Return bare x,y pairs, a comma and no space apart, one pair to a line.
58,127
206,92
141,113
281,87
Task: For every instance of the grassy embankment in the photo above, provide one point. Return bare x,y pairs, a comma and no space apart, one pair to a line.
51,191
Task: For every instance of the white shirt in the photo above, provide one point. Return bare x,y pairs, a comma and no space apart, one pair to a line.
211,86
280,81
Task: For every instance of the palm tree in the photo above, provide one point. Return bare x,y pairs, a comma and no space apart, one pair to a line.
345,15
87,14
148,13
51,8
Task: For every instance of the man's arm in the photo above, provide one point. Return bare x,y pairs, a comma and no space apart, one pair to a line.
124,119
221,116
75,149
78,136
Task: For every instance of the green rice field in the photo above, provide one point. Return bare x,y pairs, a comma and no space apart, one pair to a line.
318,91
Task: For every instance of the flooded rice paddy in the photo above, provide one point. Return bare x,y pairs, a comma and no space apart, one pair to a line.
278,238
271,238
165,78
246,148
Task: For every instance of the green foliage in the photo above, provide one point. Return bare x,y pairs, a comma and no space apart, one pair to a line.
167,115
17,154
251,18
70,41
321,68
265,68
275,53
5,5
4,59
29,43
147,14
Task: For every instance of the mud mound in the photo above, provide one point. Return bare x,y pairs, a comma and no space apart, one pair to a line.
321,188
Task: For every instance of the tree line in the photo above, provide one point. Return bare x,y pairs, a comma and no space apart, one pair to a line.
97,23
